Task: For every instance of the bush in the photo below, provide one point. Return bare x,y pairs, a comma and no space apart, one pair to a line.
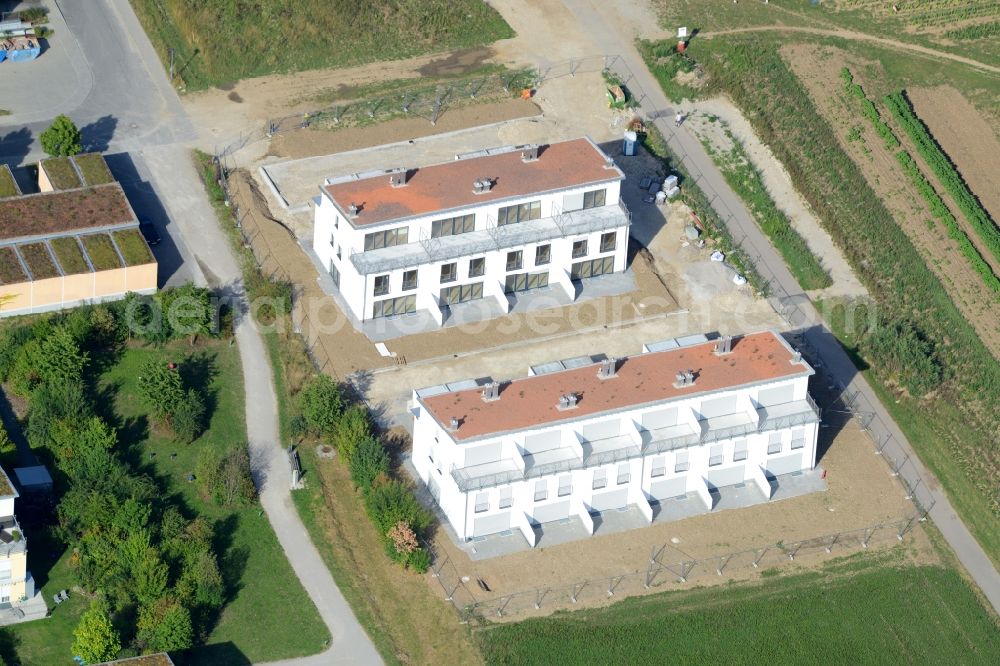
227,481
419,560
11,341
354,427
188,418
52,403
391,503
6,444
322,404
95,638
902,355
160,387
368,462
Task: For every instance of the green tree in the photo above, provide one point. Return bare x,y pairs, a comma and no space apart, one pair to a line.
188,417
187,311
165,626
368,462
60,359
83,450
6,444
354,427
321,404
61,138
95,638
160,387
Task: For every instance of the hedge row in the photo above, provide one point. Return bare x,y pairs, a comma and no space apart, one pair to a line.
868,110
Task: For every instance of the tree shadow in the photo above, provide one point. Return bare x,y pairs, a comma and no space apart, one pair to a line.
96,137
232,559
198,371
216,654
9,642
15,146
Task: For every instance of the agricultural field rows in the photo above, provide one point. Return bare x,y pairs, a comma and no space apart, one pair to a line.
927,13
945,171
922,340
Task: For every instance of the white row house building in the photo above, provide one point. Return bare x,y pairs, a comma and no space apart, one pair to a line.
572,441
486,226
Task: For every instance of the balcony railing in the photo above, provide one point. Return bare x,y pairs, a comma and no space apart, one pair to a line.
492,238
12,539
619,449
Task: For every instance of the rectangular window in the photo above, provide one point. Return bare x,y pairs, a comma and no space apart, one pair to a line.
482,502
587,269
514,260
333,242
525,282
335,274
453,226
506,498
477,266
659,467
609,241
393,307
624,473
774,444
519,213
594,199
681,464
798,438
600,478
409,280
565,485
541,490
543,255
740,452
381,285
580,248
449,273
379,239
461,293
715,456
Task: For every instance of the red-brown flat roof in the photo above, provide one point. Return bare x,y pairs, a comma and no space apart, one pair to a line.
531,402
83,209
442,187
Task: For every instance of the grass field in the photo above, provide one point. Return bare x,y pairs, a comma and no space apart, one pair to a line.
951,429
220,41
860,610
265,597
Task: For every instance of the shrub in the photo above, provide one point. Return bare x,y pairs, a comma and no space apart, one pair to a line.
165,626
228,480
188,418
391,503
368,462
11,341
322,404
160,387
95,638
419,560
354,427
52,403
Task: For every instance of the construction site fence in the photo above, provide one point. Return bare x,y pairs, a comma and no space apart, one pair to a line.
667,568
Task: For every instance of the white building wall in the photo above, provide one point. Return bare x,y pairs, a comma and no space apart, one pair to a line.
431,441
334,235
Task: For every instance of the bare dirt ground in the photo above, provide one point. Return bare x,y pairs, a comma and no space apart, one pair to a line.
860,493
778,184
308,142
818,70
966,137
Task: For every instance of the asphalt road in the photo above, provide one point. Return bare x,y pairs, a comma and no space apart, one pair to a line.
797,307
119,95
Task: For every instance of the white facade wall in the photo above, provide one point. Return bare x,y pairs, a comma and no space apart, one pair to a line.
335,239
644,476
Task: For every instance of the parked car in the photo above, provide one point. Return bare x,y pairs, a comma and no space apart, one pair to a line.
149,232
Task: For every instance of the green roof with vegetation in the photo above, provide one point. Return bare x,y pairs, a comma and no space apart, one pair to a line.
133,247
6,489
101,252
69,255
61,173
10,268
36,255
60,212
94,169
8,186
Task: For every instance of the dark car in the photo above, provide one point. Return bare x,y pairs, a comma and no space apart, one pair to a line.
149,232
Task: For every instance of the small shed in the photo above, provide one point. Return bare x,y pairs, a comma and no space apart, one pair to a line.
34,479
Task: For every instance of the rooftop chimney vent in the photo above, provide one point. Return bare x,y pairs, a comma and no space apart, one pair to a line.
453,424
567,401
796,357
529,153
608,369
724,345
491,392
482,185
397,178
353,210
683,378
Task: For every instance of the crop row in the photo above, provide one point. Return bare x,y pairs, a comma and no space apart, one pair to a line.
941,212
975,31
868,110
945,172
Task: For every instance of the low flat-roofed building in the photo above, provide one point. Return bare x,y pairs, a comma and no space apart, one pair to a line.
578,438
66,247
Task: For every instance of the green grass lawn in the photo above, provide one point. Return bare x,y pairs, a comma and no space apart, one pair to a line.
269,616
861,610
219,41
